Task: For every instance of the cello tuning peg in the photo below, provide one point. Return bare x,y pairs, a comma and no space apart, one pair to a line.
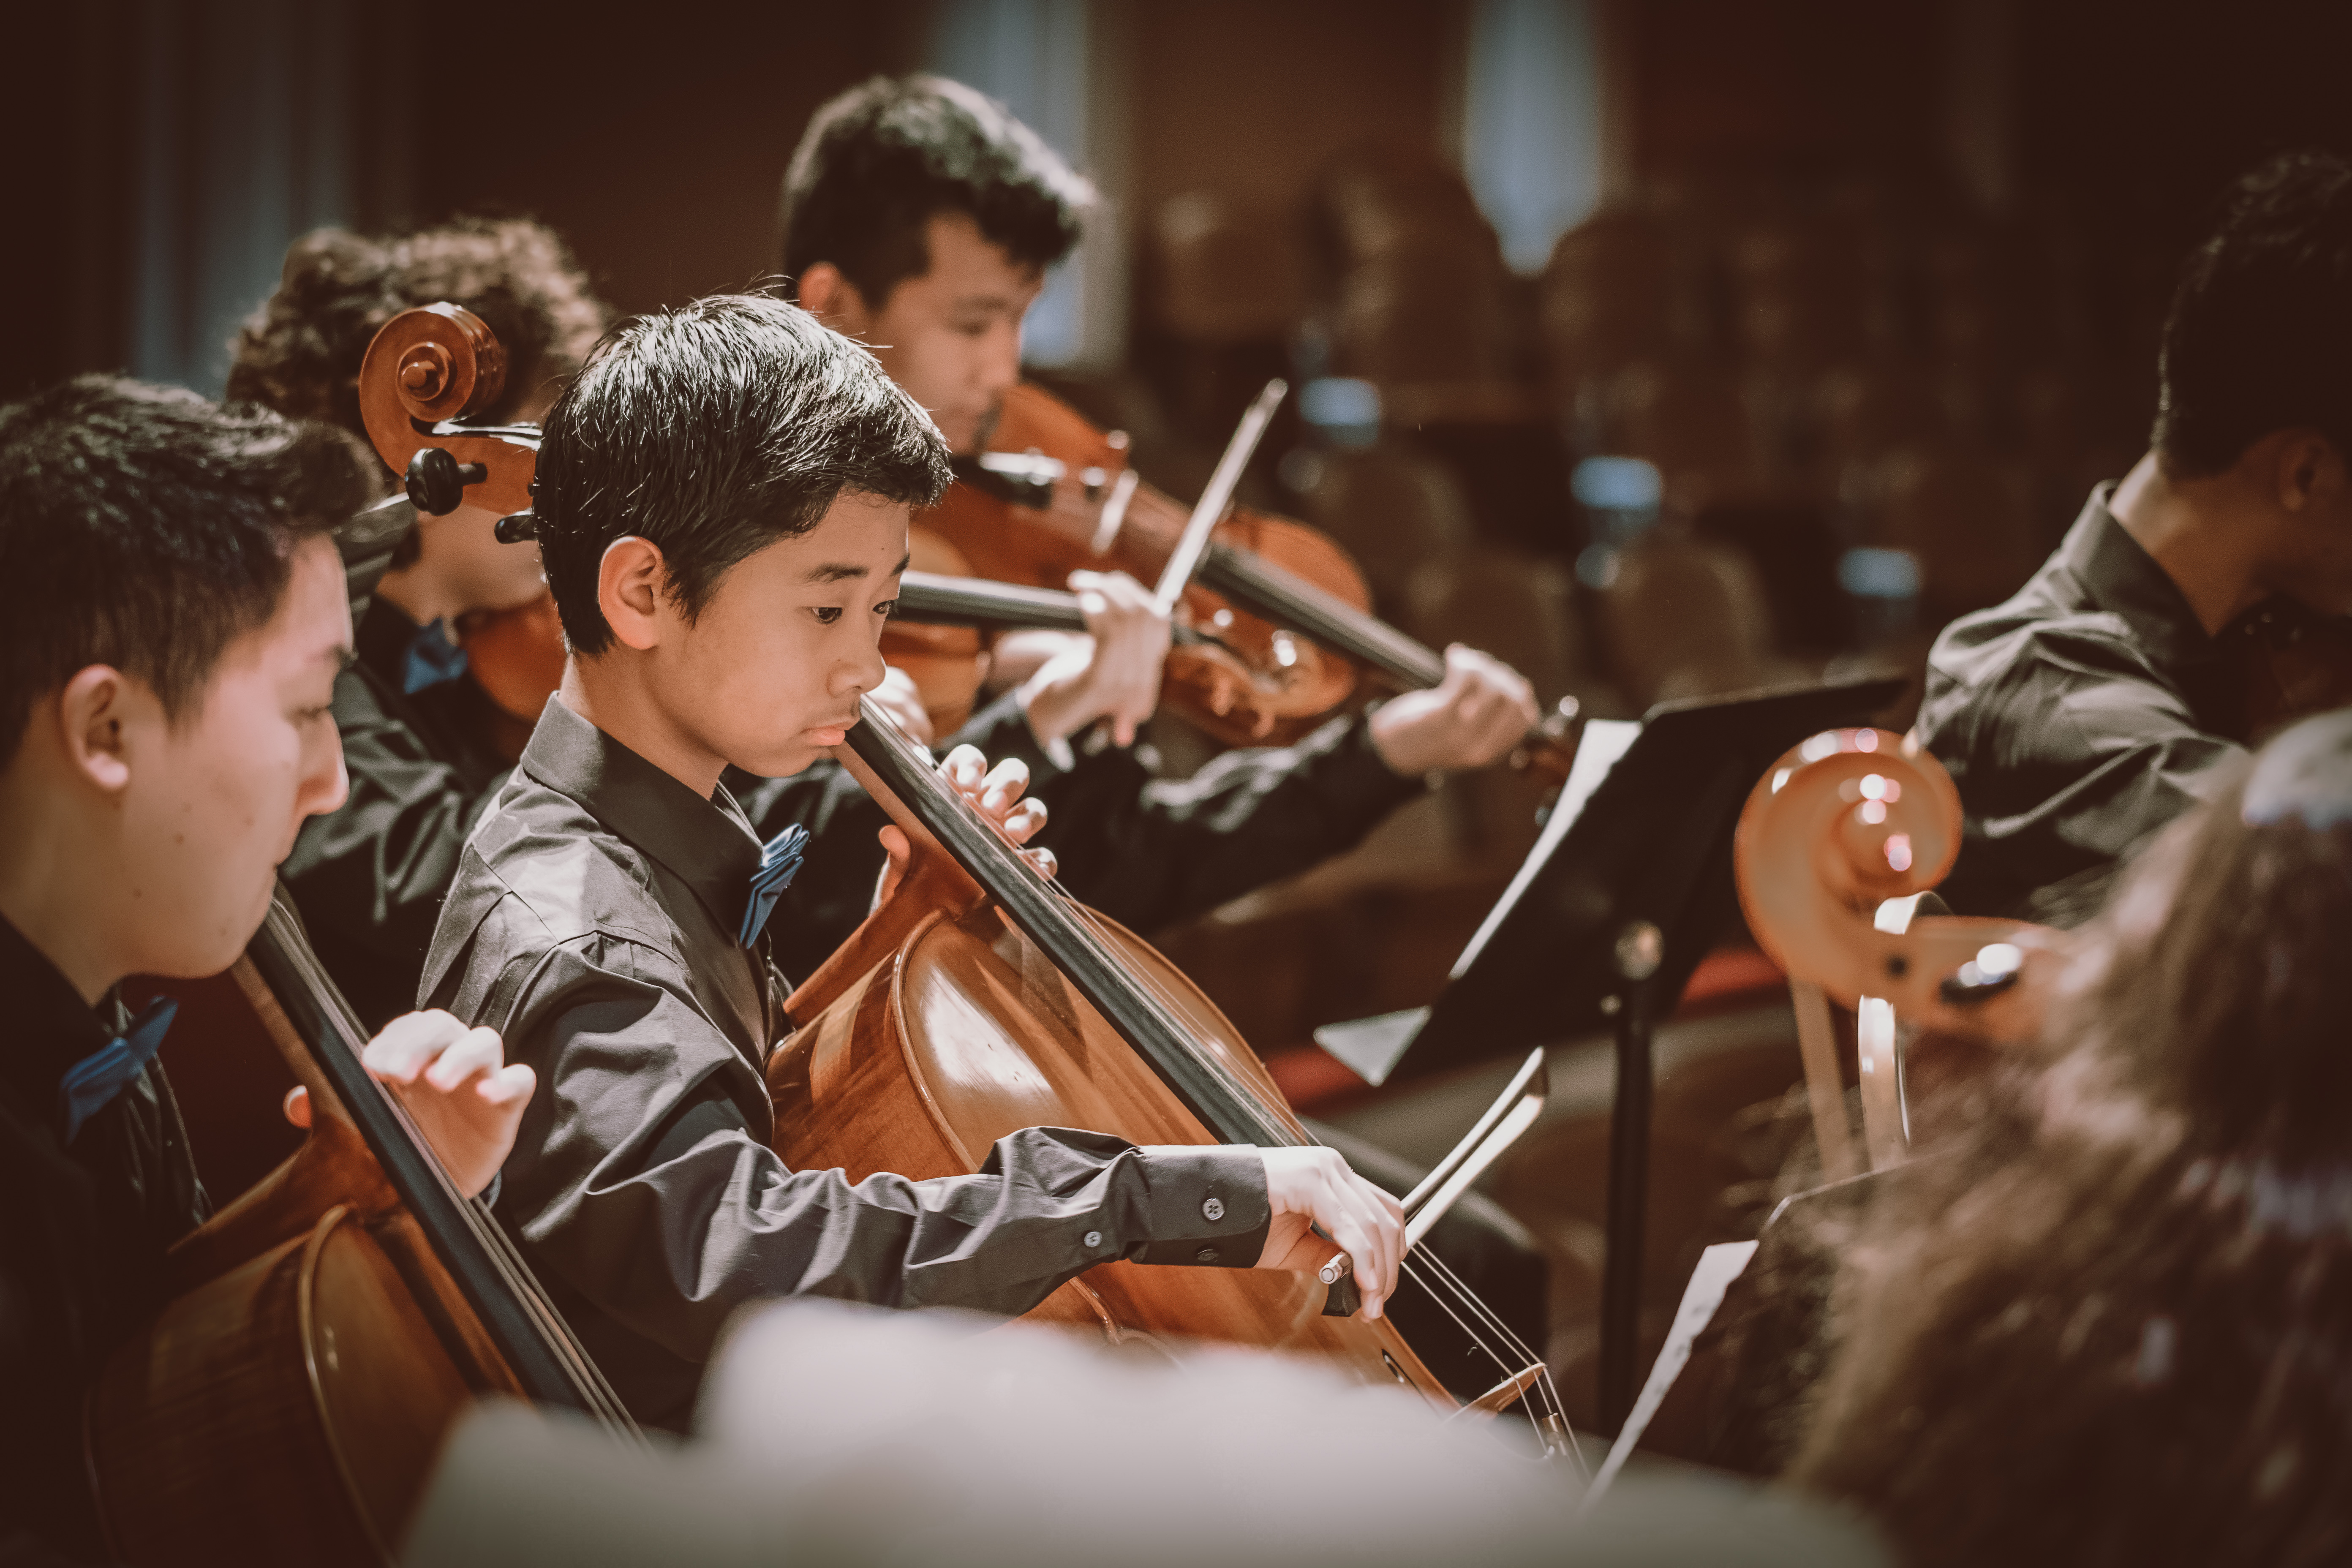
436,481
518,527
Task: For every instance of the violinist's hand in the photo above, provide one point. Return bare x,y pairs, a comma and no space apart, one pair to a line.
1312,1185
1112,673
897,697
467,1099
1480,710
997,792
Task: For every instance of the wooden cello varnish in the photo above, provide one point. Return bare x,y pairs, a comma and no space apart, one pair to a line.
940,1027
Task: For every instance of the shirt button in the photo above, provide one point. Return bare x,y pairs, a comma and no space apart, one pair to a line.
1206,1255
1094,1238
1212,1209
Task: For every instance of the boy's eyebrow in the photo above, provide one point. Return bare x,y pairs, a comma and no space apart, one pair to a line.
839,572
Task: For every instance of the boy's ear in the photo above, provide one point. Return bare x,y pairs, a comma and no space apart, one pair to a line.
631,583
833,300
2308,465
91,709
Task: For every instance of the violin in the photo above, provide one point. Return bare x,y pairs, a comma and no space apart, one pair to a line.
325,1331
978,999
1276,618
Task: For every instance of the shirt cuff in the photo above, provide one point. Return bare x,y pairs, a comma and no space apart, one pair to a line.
1355,777
1208,1205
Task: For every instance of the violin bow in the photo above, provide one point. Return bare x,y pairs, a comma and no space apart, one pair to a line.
1210,509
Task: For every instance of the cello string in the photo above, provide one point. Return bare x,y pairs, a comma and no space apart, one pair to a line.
1474,1302
1438,1280
1549,1400
505,1262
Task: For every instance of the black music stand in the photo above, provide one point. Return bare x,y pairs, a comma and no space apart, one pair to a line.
1626,890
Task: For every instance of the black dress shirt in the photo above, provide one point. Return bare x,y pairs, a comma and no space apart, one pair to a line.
82,1238
369,878
1147,852
2078,718
594,923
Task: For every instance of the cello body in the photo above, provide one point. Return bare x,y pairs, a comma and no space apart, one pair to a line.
940,1027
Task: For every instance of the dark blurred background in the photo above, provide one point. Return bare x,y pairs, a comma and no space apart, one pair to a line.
1869,293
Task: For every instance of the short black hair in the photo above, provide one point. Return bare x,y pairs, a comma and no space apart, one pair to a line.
299,351
713,431
2259,338
879,162
148,527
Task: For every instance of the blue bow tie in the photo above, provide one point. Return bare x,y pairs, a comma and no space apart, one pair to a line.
779,859
98,1076
432,658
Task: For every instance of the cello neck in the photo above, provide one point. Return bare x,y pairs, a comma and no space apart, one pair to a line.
538,1347
899,774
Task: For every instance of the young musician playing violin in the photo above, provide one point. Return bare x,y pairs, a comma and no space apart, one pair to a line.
163,731
2109,694
919,217
722,503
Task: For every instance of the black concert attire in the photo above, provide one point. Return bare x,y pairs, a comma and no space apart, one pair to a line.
1148,852
82,1239
596,922
369,878
2078,718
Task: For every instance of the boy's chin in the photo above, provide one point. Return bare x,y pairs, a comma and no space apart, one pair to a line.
783,760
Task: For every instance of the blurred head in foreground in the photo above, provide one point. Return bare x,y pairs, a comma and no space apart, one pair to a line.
2118,1326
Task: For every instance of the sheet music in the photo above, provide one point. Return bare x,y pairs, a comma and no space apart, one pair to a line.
1605,741
1719,1266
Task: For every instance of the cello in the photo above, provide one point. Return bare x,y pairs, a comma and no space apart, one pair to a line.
325,1331
1062,998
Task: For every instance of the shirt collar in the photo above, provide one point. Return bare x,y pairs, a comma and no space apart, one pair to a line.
49,1026
2119,576
709,844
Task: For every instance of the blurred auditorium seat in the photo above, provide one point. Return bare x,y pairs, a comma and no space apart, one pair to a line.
1863,411
1515,607
1225,273
1966,514
1618,289
1375,197
1693,420
1433,306
1394,510
1682,617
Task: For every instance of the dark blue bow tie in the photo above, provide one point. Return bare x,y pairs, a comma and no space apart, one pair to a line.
98,1076
779,859
432,658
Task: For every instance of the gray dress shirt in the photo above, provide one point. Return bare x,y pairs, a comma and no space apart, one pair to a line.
2077,718
593,924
